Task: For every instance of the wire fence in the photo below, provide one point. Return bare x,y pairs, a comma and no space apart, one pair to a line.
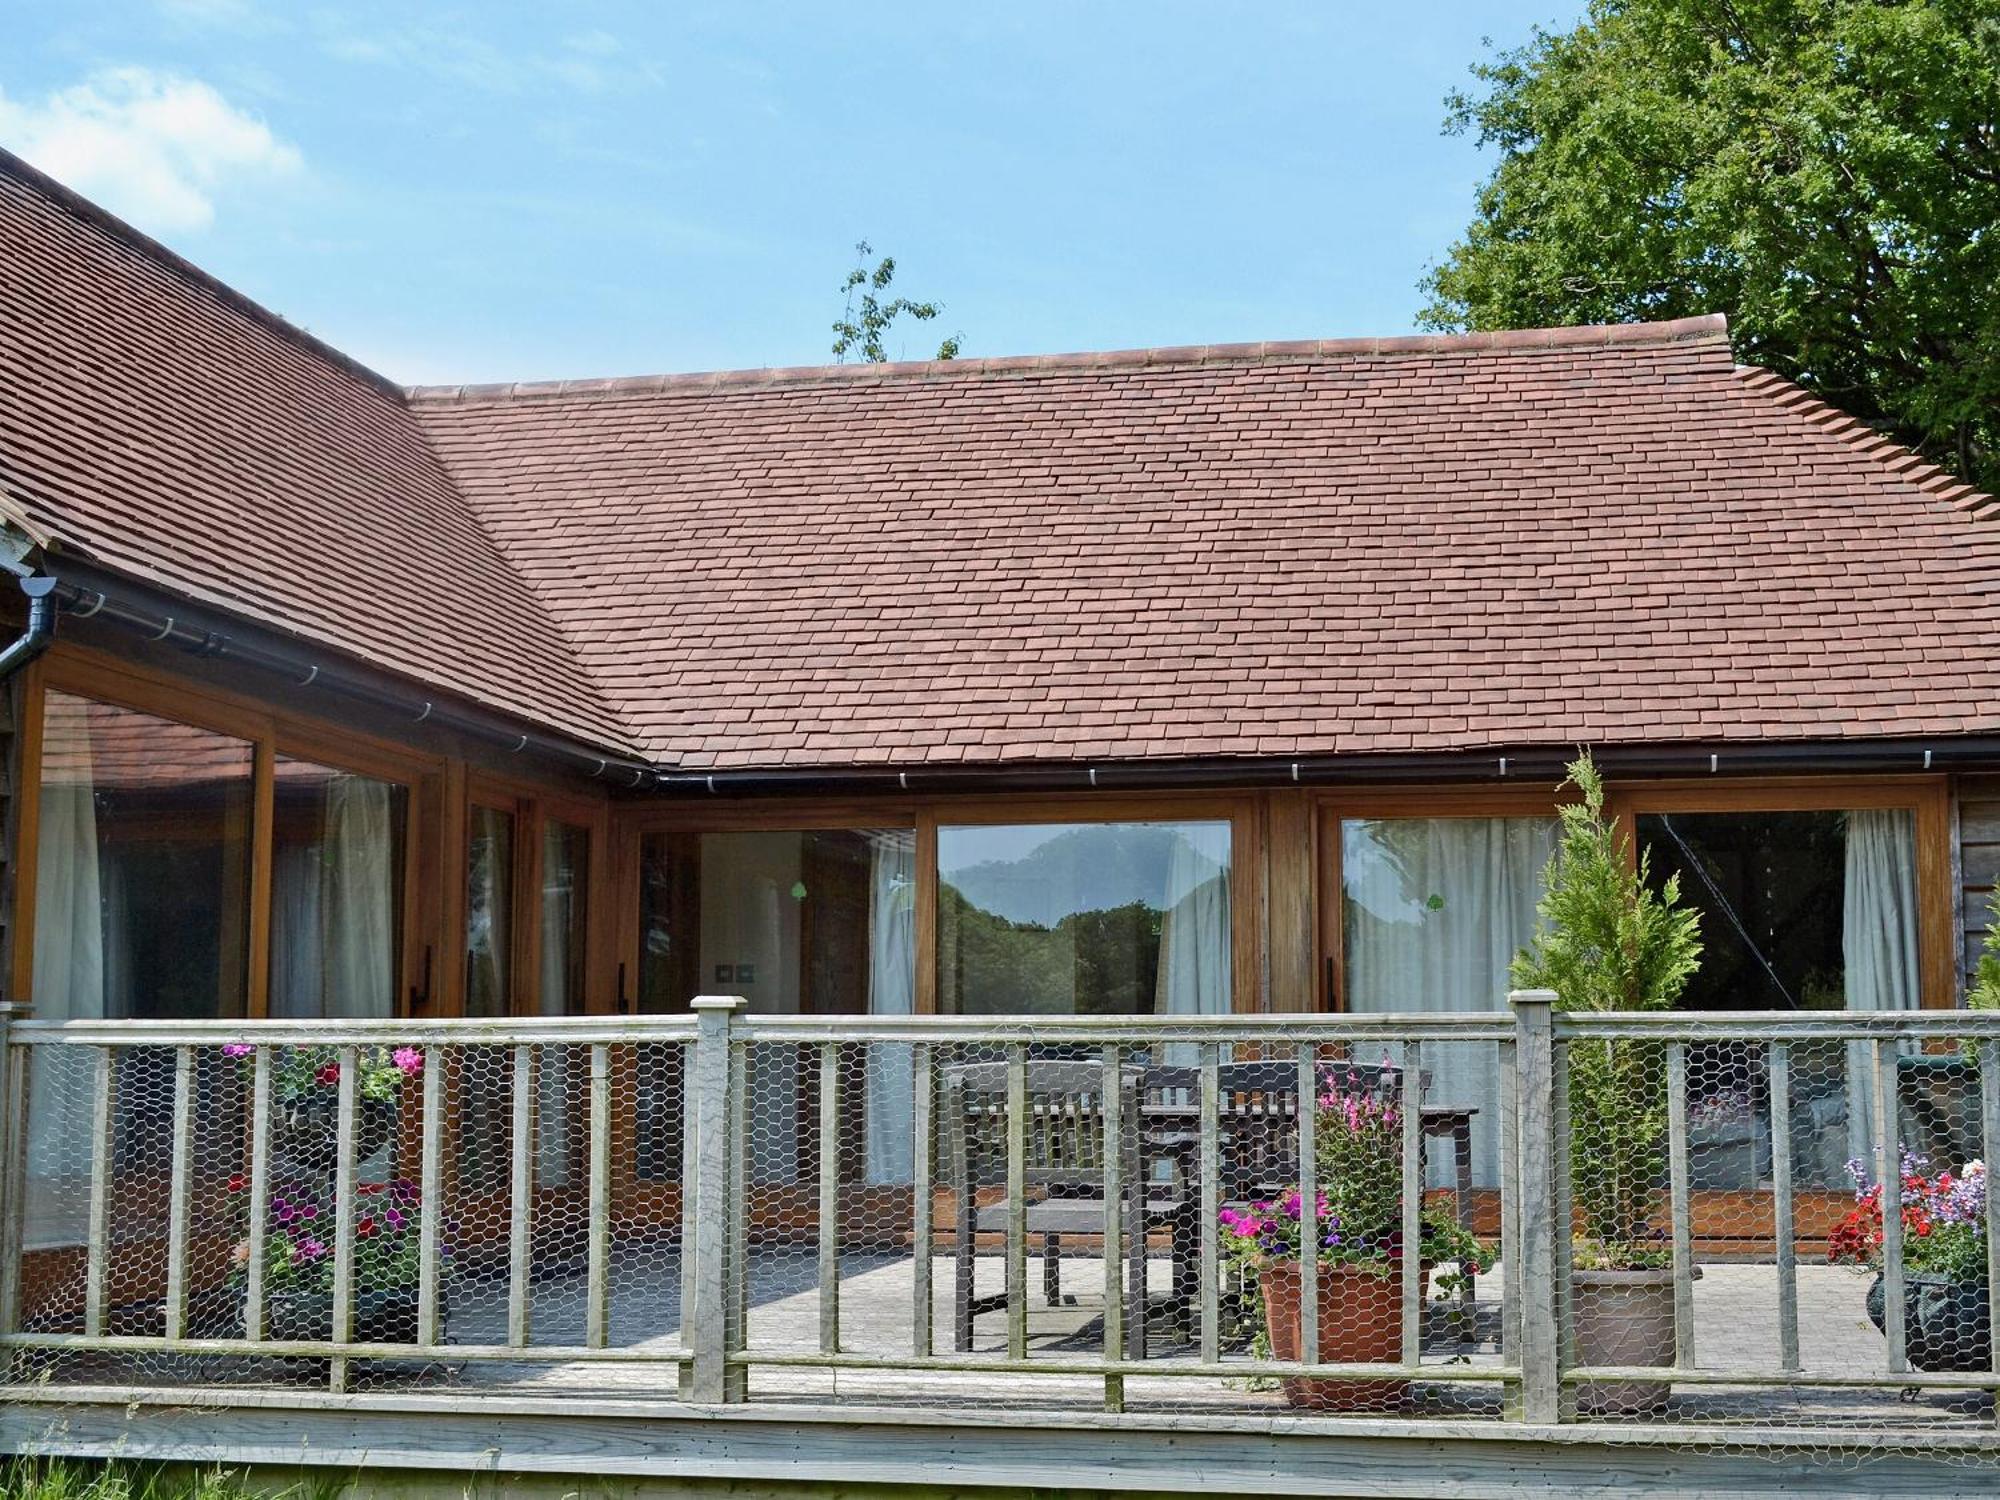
1714,1228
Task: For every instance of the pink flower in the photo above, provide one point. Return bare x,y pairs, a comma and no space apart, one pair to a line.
237,1049
306,1251
408,1060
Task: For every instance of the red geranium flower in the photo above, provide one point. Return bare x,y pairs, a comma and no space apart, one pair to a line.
328,1073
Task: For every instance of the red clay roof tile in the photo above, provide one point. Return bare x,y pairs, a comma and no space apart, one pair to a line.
1318,546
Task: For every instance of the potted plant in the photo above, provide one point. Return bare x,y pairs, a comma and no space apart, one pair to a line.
1947,1304
305,1100
299,1229
1607,941
1359,1256
298,1264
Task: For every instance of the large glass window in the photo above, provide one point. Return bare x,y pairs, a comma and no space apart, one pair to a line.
142,875
489,909
564,916
818,921
815,921
336,891
1799,911
1433,911
1084,919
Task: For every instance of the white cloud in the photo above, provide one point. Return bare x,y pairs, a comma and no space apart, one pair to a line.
152,147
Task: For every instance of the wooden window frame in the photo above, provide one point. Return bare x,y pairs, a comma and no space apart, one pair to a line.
1331,809
438,790
85,673
1927,797
924,816
532,806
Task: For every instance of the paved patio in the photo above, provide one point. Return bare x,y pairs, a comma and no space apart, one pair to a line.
1736,1328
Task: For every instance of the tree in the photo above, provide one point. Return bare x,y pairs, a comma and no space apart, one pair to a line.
860,331
1607,941
1826,172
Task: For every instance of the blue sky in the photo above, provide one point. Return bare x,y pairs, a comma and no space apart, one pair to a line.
502,191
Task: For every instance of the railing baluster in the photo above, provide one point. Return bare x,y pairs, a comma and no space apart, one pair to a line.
829,1198
103,1111
1510,1213
1115,1190
521,1198
179,1174
689,1171
1210,1168
1307,1110
258,1243
596,1297
1677,1202
430,1194
343,1217
1017,1201
1413,1203
1782,1231
736,1266
1889,1173
15,1061
923,1085
1989,1111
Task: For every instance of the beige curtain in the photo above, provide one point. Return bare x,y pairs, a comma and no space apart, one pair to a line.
1879,947
892,977
69,978
1435,909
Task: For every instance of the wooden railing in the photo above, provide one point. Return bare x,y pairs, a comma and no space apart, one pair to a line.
148,1177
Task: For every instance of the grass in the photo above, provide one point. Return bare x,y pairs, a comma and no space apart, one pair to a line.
57,1479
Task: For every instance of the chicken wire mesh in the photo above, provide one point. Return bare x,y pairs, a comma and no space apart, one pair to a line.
1043,1216
928,1223
524,1294
1728,1202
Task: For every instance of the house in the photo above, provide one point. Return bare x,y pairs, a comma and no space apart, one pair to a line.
1221,684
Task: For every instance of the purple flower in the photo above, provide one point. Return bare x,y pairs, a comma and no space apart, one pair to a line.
306,1251
237,1049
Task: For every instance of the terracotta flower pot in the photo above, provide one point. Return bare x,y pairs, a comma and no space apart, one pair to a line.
1360,1322
1623,1318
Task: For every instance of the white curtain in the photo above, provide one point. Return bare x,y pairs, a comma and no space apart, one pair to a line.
1435,910
562,885
359,899
1879,947
70,963
892,973
298,967
333,919
1194,929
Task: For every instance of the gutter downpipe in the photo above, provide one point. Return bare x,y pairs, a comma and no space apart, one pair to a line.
39,632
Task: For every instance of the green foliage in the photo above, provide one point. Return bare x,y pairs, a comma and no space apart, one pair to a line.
1985,991
72,1479
860,329
1100,962
1607,941
1826,172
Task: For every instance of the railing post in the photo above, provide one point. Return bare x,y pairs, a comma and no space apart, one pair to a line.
1535,1192
13,1171
708,1110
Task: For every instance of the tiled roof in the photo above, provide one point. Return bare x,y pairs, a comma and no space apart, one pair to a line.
1291,549
164,426
1442,543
